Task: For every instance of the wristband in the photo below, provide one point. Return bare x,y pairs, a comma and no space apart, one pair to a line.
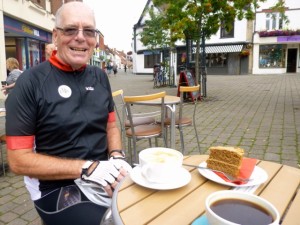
119,151
86,167
118,157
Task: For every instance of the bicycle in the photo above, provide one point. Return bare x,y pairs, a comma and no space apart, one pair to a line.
160,78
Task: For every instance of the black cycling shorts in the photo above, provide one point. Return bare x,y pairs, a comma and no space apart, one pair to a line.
69,206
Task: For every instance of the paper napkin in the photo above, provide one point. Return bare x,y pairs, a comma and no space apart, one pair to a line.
247,167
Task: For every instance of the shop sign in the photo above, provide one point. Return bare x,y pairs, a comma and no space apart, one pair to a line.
18,27
294,38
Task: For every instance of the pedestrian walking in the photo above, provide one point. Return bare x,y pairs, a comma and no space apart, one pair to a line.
115,69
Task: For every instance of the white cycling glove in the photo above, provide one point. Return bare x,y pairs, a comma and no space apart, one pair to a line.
103,173
118,163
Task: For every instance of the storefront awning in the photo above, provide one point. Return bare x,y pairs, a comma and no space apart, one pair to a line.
223,48
153,52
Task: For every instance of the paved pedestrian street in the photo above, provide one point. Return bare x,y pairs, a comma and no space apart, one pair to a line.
260,113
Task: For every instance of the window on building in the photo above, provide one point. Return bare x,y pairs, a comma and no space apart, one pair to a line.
273,21
151,58
227,33
272,56
216,59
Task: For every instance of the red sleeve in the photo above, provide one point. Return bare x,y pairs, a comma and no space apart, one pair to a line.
111,117
19,142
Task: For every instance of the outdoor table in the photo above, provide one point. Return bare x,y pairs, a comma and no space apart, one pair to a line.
170,101
133,204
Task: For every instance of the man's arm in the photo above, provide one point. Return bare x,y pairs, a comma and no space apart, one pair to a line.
27,162
113,138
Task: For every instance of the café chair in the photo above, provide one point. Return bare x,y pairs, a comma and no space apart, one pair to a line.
122,114
189,96
119,107
2,141
139,107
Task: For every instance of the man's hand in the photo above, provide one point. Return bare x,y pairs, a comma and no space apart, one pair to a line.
121,165
103,173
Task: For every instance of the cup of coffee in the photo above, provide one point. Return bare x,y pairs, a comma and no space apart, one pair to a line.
160,165
235,207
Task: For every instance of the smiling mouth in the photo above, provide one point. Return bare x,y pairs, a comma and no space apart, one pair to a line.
79,49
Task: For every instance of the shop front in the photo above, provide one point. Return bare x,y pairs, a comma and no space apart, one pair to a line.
25,42
277,55
221,59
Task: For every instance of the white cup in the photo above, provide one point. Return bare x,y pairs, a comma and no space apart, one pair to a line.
160,165
259,204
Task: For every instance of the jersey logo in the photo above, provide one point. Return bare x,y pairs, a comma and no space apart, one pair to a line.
89,88
64,91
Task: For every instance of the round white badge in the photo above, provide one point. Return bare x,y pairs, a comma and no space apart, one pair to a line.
64,91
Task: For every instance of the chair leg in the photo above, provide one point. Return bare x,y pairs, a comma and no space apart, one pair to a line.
150,142
181,140
166,137
134,140
2,158
196,132
129,150
165,142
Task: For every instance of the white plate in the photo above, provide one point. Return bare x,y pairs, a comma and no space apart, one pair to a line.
183,178
258,175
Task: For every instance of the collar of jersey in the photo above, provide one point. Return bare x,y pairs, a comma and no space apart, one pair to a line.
60,65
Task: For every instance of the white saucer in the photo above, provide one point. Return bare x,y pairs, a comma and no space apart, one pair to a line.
258,176
183,178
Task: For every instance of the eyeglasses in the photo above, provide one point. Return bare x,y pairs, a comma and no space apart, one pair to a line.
87,32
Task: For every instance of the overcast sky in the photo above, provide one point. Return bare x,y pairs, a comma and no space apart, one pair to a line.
115,20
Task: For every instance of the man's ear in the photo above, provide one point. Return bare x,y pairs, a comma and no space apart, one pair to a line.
54,37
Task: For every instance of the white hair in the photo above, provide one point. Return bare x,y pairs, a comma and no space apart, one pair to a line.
71,4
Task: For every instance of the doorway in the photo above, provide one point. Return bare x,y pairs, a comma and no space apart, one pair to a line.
291,60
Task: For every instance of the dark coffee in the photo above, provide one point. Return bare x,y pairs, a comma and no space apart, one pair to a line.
241,212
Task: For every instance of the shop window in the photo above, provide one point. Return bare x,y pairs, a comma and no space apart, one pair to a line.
33,52
216,59
150,60
227,33
299,58
41,3
272,56
273,21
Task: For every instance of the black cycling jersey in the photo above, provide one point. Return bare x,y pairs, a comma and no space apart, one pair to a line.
67,112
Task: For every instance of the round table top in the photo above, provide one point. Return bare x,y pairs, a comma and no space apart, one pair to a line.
169,99
135,204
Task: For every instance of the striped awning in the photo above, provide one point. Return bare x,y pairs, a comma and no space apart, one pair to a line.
223,48
153,52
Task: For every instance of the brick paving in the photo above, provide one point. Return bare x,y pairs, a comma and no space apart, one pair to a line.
260,113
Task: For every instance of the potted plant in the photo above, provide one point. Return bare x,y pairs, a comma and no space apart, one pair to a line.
245,52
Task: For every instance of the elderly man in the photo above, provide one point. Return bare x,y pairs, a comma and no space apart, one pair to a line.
61,129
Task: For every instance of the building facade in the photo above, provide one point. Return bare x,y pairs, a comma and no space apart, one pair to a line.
266,45
276,42
25,29
226,52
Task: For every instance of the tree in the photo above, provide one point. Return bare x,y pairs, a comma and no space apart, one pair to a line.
198,20
153,36
156,35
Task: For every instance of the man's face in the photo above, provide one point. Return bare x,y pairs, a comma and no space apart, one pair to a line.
77,48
